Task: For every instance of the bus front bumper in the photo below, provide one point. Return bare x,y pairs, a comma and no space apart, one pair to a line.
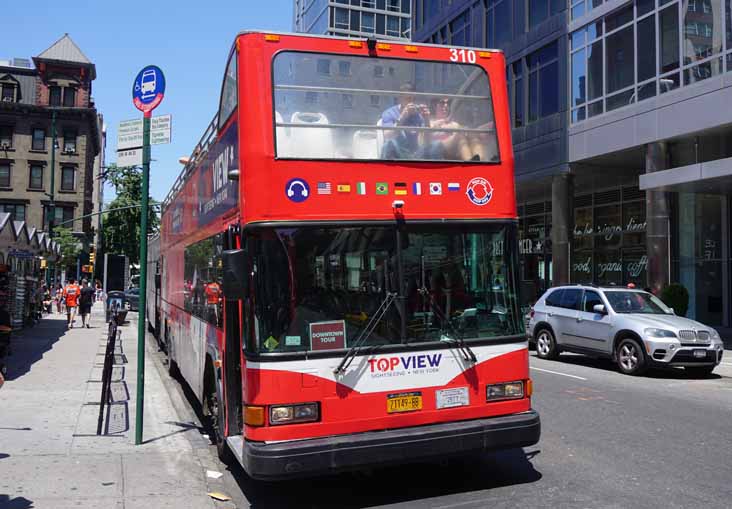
304,458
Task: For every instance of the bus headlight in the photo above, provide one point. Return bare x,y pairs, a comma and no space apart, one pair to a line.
510,390
290,414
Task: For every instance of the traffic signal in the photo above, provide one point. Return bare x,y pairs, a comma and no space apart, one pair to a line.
92,257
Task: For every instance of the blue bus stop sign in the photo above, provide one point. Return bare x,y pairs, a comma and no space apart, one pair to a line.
149,88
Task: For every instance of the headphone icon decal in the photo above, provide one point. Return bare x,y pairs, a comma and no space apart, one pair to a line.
297,190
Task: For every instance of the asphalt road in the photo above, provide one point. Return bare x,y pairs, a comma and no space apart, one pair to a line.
608,440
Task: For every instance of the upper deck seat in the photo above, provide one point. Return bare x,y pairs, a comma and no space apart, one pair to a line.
365,144
311,142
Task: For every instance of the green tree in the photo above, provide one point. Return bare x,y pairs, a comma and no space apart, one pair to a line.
69,246
122,227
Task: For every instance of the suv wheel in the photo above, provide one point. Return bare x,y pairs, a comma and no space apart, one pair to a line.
546,346
630,357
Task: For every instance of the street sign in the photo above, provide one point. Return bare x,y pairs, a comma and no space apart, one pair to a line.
129,132
129,157
148,89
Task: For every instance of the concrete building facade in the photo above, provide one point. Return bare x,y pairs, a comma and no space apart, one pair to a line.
383,19
50,97
628,178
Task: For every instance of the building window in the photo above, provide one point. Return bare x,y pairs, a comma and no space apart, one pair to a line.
323,66
375,100
341,18
60,215
344,68
6,137
392,26
69,97
8,93
54,96
68,178
367,22
518,97
646,50
70,141
538,11
16,210
393,5
543,66
460,30
498,23
36,177
4,174
39,139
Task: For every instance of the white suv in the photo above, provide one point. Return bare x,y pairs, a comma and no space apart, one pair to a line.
632,327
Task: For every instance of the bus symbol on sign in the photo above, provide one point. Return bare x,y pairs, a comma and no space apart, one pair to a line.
148,89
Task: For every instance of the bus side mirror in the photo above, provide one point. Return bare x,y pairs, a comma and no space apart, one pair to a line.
236,278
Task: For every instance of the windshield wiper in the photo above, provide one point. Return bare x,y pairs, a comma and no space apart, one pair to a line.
463,347
366,332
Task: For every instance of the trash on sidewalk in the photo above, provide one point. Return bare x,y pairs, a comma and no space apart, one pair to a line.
213,474
219,496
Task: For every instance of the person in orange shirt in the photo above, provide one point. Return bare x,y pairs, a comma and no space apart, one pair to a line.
213,298
71,297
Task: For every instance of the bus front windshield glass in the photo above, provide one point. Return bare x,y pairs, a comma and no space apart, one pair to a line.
319,288
368,108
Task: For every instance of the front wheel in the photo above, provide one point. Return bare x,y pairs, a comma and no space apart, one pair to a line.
546,345
214,411
699,371
630,357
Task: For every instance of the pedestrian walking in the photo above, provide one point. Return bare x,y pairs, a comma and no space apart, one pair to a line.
71,297
59,298
86,299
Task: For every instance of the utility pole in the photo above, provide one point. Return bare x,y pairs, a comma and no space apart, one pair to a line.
51,195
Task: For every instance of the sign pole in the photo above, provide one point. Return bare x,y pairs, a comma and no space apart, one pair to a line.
147,93
143,279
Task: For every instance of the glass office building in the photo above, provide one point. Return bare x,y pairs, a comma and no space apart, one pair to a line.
622,139
382,19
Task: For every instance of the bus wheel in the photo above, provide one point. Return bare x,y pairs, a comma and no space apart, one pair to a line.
213,409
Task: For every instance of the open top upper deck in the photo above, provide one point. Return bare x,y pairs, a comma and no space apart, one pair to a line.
335,129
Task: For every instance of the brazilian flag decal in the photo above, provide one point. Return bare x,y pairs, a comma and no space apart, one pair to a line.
382,188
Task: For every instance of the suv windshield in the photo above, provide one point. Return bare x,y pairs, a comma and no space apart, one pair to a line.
331,106
636,302
317,288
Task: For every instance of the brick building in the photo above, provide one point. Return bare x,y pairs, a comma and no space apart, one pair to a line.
51,95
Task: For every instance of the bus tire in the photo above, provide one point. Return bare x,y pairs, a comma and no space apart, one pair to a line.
213,410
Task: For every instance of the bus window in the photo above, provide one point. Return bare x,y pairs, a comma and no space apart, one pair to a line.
202,296
228,91
313,281
382,108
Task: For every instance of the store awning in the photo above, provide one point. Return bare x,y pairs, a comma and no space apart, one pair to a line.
17,236
711,177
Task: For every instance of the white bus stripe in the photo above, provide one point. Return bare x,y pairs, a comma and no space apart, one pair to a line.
557,373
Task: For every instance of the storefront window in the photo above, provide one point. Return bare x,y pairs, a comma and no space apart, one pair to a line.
608,245
700,255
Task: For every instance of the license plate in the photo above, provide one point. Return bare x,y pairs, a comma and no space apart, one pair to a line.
700,354
448,398
403,402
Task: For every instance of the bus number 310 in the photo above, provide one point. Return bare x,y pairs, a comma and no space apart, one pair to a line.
462,55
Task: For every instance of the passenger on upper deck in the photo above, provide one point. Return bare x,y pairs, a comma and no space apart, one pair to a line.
403,143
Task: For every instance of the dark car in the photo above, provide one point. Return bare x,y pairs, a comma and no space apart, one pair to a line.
133,298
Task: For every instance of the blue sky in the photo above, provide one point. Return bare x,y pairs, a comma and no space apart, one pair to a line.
189,40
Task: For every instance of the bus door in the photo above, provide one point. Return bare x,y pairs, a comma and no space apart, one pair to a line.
232,348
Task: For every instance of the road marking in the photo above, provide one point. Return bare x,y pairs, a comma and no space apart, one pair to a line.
726,363
557,373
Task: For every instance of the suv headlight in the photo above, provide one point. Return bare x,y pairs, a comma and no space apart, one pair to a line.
290,414
659,333
714,334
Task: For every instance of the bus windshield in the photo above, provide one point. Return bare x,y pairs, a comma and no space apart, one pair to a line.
316,288
330,106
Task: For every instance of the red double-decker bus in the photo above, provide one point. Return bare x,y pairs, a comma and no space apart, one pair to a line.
339,258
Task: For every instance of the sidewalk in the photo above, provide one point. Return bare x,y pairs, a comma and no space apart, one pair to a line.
50,455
